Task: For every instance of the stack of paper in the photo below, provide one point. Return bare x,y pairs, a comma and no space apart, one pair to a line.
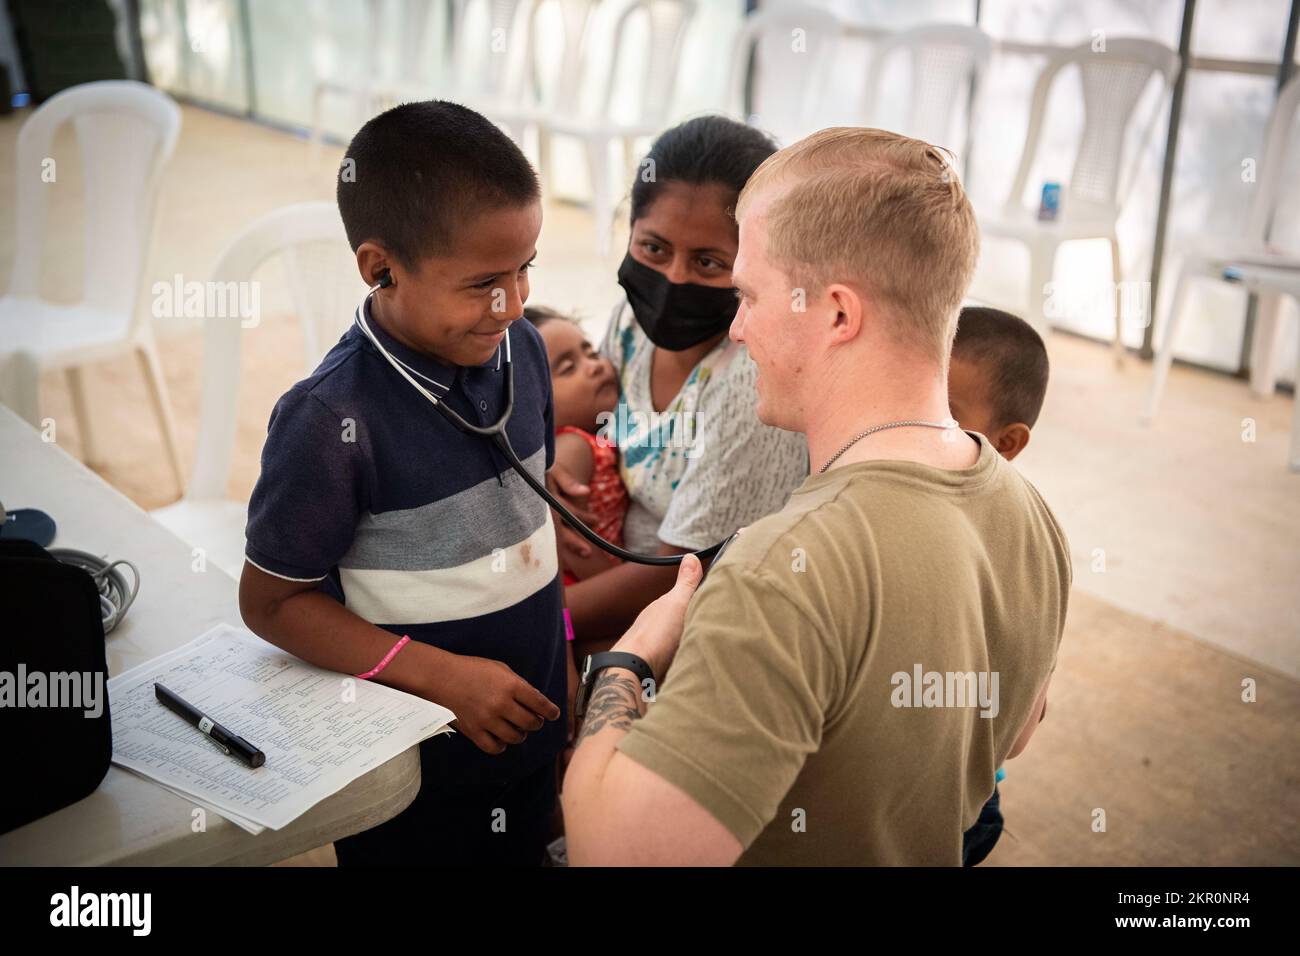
319,730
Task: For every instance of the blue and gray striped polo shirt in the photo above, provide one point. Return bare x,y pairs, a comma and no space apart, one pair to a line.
418,527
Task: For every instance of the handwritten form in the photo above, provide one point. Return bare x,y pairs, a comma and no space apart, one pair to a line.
316,742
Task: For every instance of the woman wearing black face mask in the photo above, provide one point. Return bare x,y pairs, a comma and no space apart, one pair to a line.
695,459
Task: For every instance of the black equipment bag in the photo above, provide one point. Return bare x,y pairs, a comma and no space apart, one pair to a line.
50,623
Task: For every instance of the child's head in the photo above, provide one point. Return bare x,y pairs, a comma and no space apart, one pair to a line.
997,377
583,382
441,199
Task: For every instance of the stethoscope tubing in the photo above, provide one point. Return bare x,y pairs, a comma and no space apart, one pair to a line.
496,433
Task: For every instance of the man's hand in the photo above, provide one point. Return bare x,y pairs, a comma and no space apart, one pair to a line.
657,630
494,706
616,811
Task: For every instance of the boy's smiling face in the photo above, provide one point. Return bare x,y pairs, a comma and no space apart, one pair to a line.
456,307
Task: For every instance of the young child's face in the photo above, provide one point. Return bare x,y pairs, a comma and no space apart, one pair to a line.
458,306
582,382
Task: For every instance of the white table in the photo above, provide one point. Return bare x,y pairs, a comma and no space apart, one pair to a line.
130,820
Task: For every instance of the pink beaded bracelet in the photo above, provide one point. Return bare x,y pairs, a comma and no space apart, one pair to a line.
387,657
568,625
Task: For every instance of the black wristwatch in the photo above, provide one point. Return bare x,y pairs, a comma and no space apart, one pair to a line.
595,663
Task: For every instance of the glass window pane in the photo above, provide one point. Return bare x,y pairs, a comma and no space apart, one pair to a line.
195,49
162,36
345,43
1063,21
892,15
1240,29
776,84
216,71
1083,294
1220,140
297,44
1285,234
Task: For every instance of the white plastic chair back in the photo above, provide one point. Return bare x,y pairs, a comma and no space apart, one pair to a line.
1112,83
788,81
1273,165
485,49
413,39
311,242
663,23
943,60
565,93
126,132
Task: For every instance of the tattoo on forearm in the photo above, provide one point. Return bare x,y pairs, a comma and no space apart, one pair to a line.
615,702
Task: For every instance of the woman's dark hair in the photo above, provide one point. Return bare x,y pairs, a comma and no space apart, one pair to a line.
702,151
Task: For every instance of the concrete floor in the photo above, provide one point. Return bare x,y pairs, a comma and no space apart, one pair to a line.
1186,539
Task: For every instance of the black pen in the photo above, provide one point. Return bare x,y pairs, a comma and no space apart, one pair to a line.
222,737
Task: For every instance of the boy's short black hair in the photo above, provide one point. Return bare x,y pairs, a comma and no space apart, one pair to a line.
421,171
1013,356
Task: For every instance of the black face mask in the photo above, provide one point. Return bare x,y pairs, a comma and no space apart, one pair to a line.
675,316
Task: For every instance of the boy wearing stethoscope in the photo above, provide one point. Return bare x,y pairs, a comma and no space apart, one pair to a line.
387,542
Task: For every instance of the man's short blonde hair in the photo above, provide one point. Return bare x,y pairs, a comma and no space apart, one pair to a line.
877,210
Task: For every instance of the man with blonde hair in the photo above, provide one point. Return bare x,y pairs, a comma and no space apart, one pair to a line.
859,664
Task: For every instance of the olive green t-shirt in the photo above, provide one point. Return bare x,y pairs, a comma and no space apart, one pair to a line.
855,668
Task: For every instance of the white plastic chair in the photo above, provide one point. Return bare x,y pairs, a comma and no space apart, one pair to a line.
376,89
529,109
126,132
318,263
788,83
495,79
483,60
944,59
1255,261
1112,84
664,24
360,89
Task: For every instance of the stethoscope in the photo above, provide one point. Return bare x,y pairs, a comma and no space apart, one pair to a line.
496,434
